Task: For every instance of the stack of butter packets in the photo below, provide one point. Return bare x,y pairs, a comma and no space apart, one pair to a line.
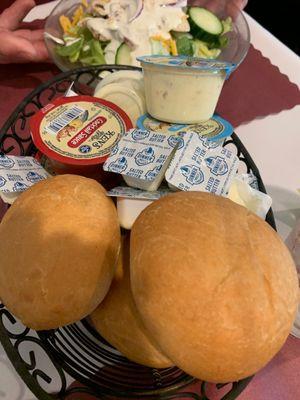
17,174
142,157
187,162
202,165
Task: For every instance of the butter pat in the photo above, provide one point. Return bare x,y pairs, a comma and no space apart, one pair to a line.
19,173
132,193
142,158
243,194
9,198
131,202
202,165
129,209
150,184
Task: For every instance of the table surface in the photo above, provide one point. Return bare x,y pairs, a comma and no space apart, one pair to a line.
274,144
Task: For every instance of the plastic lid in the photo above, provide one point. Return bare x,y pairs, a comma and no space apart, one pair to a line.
214,129
79,130
186,62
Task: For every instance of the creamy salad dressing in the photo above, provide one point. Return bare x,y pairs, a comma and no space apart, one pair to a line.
181,97
179,90
156,19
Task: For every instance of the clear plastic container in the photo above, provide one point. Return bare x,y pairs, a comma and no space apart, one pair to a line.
235,51
183,89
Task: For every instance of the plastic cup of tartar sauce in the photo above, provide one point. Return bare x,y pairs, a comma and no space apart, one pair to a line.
183,89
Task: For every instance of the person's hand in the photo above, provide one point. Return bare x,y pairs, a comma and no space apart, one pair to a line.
232,7
20,45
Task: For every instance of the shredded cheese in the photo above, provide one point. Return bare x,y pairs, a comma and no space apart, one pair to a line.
78,14
173,47
65,23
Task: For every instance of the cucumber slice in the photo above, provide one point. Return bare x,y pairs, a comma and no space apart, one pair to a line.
177,35
123,55
204,24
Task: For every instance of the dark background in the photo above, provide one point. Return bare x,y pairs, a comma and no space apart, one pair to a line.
281,18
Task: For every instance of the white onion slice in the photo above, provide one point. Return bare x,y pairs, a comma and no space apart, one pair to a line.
53,38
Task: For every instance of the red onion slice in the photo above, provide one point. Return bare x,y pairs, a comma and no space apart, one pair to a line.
178,3
139,9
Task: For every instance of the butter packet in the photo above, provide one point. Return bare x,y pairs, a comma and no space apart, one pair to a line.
141,157
9,198
242,193
131,202
19,173
70,92
216,129
132,193
202,165
250,179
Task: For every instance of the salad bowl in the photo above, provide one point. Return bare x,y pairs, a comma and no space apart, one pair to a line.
73,42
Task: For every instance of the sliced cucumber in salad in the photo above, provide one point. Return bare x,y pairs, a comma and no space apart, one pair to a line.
205,25
123,55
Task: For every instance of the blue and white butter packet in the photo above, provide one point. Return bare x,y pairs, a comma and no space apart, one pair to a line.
19,173
133,193
250,179
202,165
131,202
142,157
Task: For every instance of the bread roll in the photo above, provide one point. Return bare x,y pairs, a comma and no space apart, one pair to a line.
118,321
214,284
59,244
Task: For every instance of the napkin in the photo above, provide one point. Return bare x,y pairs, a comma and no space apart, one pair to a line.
256,89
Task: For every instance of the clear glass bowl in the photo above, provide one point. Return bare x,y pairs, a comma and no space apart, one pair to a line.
235,51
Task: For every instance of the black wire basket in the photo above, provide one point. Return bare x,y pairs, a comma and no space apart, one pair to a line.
49,361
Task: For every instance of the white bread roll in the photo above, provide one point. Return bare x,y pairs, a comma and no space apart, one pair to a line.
214,285
118,321
59,244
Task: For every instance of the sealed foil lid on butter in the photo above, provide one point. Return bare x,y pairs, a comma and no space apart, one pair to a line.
79,130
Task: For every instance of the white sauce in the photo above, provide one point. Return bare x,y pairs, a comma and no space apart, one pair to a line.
180,96
156,19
